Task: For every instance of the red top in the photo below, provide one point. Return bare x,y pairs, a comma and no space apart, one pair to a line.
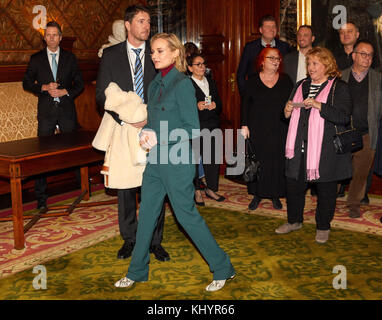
167,70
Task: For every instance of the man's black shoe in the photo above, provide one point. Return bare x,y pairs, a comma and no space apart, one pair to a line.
160,253
126,250
365,200
41,205
341,191
277,204
254,203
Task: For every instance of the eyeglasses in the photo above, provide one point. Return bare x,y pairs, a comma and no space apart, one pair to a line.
199,64
365,54
274,58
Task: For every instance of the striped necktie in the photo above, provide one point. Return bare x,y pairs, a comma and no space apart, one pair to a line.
54,70
138,74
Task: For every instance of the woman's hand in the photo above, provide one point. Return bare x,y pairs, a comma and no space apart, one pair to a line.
245,132
211,106
147,139
288,109
201,105
311,103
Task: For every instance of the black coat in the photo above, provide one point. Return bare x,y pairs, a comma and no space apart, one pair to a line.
247,62
209,119
69,77
115,67
333,166
290,64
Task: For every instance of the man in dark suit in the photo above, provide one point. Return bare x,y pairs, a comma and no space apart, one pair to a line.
349,34
118,65
54,76
268,30
294,62
365,86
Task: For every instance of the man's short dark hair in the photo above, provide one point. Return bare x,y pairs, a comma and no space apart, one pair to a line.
267,17
365,42
55,25
131,11
308,27
350,22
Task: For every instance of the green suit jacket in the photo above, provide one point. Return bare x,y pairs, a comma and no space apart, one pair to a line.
172,109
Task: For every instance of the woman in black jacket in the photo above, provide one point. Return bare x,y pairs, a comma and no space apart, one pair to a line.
209,108
320,102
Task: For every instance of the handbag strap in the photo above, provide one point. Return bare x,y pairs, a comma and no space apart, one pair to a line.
249,147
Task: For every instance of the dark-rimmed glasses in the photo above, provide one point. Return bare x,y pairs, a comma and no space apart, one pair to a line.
365,54
200,64
274,58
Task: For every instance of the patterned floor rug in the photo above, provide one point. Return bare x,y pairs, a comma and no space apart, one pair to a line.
238,199
53,237
268,266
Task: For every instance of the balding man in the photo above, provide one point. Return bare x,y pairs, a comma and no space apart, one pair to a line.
349,34
365,86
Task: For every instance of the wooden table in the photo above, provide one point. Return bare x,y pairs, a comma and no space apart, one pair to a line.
28,157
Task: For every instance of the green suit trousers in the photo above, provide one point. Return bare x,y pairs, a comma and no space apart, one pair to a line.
176,182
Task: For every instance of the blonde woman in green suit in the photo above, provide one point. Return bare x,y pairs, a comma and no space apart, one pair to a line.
171,101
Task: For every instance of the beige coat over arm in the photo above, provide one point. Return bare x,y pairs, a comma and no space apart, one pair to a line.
125,160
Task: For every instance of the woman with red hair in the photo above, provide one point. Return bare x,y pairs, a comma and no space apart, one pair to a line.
266,93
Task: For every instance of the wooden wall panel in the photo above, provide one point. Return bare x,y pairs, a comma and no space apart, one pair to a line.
221,28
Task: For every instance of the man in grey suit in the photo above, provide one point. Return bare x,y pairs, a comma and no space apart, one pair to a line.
124,64
365,86
294,62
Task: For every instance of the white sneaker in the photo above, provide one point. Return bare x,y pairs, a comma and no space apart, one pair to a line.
124,283
216,285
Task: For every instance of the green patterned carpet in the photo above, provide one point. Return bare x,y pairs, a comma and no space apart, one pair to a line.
268,266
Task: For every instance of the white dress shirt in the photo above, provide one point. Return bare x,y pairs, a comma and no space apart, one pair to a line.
203,85
50,57
301,67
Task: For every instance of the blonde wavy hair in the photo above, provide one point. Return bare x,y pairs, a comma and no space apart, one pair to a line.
326,58
174,44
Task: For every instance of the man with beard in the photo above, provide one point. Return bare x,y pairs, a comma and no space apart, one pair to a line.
294,62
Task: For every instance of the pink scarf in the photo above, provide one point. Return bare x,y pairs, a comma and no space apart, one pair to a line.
315,132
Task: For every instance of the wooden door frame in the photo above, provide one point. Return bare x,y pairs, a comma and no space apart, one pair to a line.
304,12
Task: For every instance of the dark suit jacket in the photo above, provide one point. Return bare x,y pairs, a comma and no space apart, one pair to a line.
115,67
290,65
68,75
247,62
209,119
374,113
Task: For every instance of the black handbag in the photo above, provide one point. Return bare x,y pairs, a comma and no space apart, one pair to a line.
252,164
348,140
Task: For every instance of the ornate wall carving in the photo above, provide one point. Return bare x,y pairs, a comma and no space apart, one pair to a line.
89,21
288,20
